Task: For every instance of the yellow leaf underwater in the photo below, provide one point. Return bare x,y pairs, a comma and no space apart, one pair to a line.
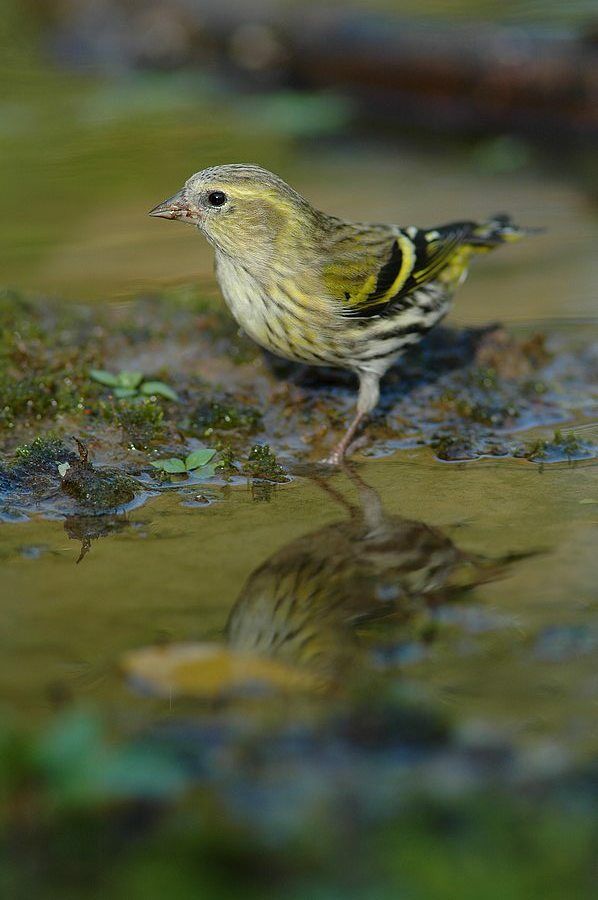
208,670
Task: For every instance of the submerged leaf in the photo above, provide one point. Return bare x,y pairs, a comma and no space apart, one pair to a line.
173,465
159,389
199,458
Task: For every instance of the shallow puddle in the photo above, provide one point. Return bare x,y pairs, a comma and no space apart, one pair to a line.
388,583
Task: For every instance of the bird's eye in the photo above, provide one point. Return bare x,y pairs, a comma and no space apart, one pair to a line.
217,198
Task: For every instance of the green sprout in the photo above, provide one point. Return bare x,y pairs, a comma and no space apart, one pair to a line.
132,384
562,445
198,459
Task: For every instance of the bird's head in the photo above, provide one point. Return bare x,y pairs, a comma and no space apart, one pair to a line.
243,210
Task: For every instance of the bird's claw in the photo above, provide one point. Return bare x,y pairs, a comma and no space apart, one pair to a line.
334,459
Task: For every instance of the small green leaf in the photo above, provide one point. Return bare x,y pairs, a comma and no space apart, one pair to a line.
130,379
199,458
159,388
63,468
173,465
103,377
124,392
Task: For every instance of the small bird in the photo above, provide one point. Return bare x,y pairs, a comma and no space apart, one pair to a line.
315,289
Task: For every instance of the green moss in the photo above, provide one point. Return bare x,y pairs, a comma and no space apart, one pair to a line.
37,397
98,490
262,464
43,362
224,414
453,446
35,469
42,455
41,448
142,420
559,448
536,450
227,461
457,444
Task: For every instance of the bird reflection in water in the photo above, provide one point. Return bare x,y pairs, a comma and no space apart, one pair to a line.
313,604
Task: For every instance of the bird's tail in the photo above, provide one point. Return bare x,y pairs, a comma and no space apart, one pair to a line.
500,229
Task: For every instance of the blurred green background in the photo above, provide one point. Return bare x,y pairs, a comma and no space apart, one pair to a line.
400,112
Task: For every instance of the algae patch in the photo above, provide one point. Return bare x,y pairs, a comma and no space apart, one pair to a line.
56,480
95,490
263,465
562,447
142,421
216,414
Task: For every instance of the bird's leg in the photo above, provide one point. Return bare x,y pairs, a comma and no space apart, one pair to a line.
369,394
338,454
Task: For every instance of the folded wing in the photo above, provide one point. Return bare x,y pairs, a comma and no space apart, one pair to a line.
383,272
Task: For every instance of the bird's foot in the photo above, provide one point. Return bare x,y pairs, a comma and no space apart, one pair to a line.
336,458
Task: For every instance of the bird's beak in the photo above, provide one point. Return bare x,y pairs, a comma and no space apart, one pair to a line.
176,207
